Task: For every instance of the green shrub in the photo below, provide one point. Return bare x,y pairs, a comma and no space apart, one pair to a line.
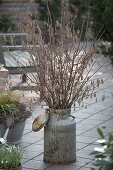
9,107
104,154
54,7
6,23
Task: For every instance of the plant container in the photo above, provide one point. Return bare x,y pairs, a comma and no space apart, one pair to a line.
60,137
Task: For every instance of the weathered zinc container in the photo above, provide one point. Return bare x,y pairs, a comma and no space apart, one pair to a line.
60,137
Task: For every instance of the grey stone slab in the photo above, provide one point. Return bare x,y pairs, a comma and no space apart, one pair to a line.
62,167
26,168
81,145
91,133
81,115
106,113
29,155
26,131
85,168
81,161
90,147
85,126
84,154
85,139
38,134
36,165
80,131
31,138
39,157
91,122
40,142
100,106
22,57
24,144
28,126
78,120
106,131
34,148
89,165
100,116
24,160
109,124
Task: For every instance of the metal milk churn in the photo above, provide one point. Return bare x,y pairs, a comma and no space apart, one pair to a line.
60,137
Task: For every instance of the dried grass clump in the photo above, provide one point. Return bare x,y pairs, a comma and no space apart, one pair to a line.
64,64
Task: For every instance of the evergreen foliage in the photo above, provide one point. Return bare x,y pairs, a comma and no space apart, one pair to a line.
101,13
54,8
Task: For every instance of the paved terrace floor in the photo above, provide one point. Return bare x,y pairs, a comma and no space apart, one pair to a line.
99,114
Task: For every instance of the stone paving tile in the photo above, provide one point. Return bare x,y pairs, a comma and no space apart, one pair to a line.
85,139
26,131
31,138
39,157
90,164
80,145
92,133
91,122
100,116
40,142
81,161
89,132
34,148
84,168
90,147
62,167
80,131
24,144
38,135
86,126
36,165
30,154
26,168
85,154
81,115
78,120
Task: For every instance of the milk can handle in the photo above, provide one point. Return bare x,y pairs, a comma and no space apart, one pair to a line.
72,116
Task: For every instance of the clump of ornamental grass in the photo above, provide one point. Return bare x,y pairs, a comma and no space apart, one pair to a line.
11,106
64,72
10,157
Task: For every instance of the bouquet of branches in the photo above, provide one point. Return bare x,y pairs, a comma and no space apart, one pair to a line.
63,66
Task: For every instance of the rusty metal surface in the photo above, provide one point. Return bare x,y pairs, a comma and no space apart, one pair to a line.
60,138
40,121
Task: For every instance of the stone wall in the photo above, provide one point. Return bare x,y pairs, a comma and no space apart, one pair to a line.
8,6
4,80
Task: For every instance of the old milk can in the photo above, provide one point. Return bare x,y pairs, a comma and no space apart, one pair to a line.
60,137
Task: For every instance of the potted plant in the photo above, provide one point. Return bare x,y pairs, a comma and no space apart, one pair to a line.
11,107
64,78
103,154
10,158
